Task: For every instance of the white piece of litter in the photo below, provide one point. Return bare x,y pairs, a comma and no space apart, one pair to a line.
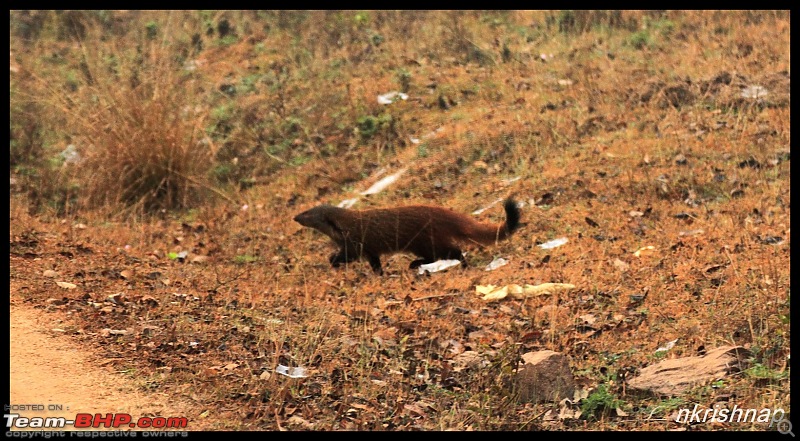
439,265
554,243
668,346
347,203
496,263
389,98
383,183
481,210
291,372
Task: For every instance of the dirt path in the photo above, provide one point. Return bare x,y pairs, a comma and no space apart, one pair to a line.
52,369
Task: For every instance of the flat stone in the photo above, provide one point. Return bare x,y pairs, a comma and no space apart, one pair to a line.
673,377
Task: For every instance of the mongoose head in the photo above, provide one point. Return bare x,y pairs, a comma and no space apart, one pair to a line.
322,218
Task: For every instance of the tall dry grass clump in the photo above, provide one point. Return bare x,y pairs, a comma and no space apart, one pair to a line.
136,125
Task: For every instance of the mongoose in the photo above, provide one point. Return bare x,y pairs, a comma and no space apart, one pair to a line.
430,232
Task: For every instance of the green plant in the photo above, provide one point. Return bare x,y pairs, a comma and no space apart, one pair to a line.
249,83
361,18
299,160
600,402
761,372
422,151
376,39
221,125
786,318
506,54
640,39
244,258
151,29
664,407
664,26
404,78
227,40
224,172
27,134
368,126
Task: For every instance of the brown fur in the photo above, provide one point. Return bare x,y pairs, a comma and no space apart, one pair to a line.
430,232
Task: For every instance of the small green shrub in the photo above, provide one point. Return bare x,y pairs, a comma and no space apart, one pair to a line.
760,372
600,402
151,29
404,79
640,39
368,126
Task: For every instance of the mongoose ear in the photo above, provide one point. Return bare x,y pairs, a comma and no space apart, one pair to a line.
333,224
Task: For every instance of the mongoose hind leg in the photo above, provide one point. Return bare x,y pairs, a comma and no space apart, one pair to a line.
416,263
458,255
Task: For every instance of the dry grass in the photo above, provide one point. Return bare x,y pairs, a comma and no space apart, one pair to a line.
634,133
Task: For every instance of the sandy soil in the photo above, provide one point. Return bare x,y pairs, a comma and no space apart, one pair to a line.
49,368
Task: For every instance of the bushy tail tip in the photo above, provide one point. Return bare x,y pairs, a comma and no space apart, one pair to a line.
512,215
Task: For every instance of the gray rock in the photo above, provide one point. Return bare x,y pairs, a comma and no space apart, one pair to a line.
673,377
544,376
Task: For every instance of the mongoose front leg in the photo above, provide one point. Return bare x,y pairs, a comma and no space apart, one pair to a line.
375,263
